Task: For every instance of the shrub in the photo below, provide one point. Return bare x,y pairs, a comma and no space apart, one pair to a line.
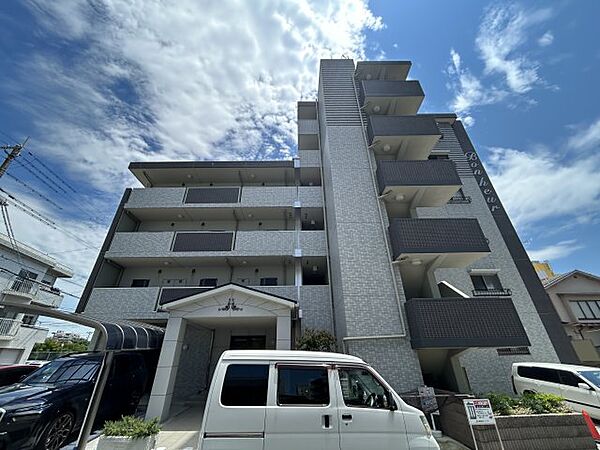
544,403
529,403
316,341
132,427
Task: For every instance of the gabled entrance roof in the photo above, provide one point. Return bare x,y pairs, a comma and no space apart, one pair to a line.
233,288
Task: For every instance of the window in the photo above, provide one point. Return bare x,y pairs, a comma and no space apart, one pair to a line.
442,156
69,371
539,373
245,385
488,285
269,281
586,309
508,351
569,378
361,389
140,283
302,386
208,282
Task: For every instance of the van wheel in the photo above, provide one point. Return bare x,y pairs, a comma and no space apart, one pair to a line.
57,431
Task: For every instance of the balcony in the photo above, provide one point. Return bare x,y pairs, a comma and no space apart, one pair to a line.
382,70
453,243
402,137
9,328
418,183
17,286
464,323
144,303
308,131
203,202
189,247
391,97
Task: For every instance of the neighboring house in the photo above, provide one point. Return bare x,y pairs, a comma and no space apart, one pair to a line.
576,298
385,231
26,276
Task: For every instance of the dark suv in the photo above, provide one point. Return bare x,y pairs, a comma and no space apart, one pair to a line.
46,410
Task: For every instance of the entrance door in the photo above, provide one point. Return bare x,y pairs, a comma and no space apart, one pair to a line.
248,343
366,421
302,409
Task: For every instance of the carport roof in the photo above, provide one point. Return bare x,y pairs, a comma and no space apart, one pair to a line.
112,335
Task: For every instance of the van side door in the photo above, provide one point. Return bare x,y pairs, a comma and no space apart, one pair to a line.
367,420
578,399
302,408
235,410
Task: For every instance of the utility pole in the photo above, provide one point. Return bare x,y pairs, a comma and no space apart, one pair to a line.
15,150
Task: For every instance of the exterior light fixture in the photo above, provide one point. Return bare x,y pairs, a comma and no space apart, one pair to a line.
387,148
376,108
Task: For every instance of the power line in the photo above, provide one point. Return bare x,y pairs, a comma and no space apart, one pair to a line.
41,163
3,269
32,169
42,218
35,191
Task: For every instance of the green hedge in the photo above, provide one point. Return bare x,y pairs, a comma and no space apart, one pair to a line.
132,427
529,403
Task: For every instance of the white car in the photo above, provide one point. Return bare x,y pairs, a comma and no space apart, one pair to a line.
579,385
294,400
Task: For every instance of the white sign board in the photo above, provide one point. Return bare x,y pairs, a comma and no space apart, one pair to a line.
479,412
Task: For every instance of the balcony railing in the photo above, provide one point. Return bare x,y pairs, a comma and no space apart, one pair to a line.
450,322
9,327
391,97
492,292
435,236
20,285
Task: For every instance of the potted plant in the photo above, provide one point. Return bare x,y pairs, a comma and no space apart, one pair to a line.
129,433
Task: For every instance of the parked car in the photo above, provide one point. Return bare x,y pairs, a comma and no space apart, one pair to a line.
15,373
294,400
46,409
579,385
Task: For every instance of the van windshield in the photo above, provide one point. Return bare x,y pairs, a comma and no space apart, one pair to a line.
593,376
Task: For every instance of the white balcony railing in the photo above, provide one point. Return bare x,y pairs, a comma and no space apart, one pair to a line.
20,285
9,327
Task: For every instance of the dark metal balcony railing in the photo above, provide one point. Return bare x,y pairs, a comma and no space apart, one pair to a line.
437,236
464,322
417,173
392,88
401,126
492,292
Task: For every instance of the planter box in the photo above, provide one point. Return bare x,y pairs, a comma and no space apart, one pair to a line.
125,443
532,432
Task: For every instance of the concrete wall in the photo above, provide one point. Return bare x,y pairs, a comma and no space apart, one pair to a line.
247,243
251,196
192,373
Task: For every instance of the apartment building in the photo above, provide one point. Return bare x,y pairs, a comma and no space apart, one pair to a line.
384,230
26,276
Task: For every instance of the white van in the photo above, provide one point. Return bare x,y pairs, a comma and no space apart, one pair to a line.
579,385
294,400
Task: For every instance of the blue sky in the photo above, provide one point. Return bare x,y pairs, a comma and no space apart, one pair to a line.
99,84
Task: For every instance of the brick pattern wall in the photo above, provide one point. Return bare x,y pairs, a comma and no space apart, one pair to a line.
486,370
361,274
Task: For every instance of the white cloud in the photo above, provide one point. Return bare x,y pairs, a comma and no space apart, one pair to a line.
500,43
546,39
209,79
586,138
469,91
502,32
537,187
555,251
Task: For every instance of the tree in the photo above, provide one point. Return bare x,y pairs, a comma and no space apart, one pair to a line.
53,345
316,341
